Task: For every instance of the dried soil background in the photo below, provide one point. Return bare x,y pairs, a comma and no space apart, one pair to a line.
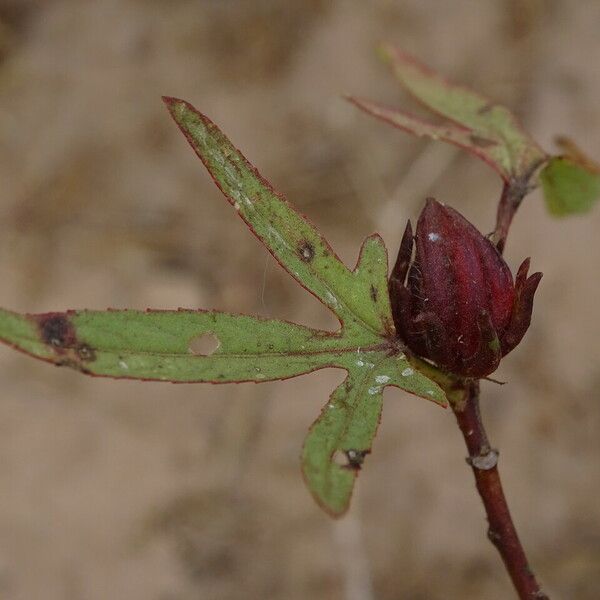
148,491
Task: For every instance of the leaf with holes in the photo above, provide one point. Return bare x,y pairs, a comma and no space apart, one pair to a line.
475,123
211,346
341,437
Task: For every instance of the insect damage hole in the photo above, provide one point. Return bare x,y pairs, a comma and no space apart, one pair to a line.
205,344
349,459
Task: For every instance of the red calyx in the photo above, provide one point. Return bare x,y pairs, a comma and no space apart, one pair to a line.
458,306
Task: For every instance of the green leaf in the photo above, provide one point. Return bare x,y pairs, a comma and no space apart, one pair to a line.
446,132
571,185
341,437
478,125
158,345
164,345
294,242
339,440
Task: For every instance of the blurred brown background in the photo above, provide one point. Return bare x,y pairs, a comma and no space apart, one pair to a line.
148,491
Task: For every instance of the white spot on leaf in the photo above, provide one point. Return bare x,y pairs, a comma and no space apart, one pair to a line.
331,299
408,372
382,379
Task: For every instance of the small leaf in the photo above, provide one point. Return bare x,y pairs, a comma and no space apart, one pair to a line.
480,126
447,132
339,440
571,183
341,437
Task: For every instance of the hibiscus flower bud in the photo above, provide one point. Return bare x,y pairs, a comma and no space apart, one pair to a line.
456,303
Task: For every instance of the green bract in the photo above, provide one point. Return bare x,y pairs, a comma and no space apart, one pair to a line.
159,345
569,187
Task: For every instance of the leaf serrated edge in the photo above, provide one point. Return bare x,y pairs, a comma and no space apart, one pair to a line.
442,132
390,53
354,472
172,103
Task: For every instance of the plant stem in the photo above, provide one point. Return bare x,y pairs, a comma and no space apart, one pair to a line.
512,195
483,460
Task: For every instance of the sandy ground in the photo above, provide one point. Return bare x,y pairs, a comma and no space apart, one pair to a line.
149,491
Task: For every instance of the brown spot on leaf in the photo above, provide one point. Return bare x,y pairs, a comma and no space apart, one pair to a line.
355,458
57,331
318,334
85,352
485,108
306,251
73,364
373,292
481,142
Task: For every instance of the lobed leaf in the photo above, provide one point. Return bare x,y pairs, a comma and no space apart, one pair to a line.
359,298
341,437
487,130
161,345
157,345
339,440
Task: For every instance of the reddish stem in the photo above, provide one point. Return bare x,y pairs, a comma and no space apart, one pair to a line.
483,460
513,192
512,195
